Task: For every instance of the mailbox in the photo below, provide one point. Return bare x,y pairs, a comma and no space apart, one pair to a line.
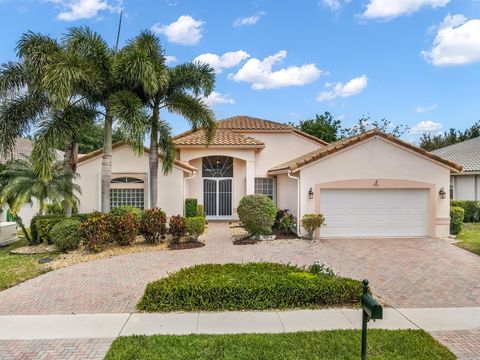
373,309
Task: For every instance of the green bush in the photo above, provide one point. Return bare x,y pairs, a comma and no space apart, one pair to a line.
312,222
456,219
58,209
200,210
153,225
124,209
124,228
42,226
285,222
257,213
196,226
177,226
472,209
96,231
81,217
253,286
34,238
66,235
190,208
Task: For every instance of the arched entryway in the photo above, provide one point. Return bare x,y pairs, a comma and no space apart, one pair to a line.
217,174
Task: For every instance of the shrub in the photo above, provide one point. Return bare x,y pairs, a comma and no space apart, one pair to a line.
195,226
253,286
257,213
456,219
177,226
66,235
34,239
124,209
153,225
96,231
285,222
472,209
190,207
81,217
124,228
320,268
43,224
200,210
58,209
312,222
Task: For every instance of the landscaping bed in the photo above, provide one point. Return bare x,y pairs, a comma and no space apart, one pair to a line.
469,238
325,345
252,286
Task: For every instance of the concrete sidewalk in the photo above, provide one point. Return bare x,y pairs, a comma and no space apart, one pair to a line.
82,326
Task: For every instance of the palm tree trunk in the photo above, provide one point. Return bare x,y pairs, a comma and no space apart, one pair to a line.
19,222
153,156
107,159
67,171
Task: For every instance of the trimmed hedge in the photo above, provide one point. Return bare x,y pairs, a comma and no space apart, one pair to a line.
196,226
456,219
252,286
472,209
190,207
42,226
66,235
257,213
124,209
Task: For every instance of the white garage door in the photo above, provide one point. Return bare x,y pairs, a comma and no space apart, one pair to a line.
374,213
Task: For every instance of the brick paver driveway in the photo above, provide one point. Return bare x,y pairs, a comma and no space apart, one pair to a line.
403,272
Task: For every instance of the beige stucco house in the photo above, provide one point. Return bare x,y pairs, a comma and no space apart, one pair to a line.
369,185
464,185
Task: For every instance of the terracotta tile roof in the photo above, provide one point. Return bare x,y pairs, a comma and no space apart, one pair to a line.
466,153
221,138
84,157
22,149
325,151
243,123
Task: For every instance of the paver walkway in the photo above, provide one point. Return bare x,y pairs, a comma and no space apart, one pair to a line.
406,273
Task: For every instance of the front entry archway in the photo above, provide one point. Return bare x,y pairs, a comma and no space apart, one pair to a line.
217,173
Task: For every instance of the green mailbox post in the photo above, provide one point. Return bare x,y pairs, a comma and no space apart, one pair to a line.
371,310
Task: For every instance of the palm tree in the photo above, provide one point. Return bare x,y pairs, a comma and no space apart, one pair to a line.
180,90
119,72
21,184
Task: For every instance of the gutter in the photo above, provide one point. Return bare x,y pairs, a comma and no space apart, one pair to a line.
185,185
298,199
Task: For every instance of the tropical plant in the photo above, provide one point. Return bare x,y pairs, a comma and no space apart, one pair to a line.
195,226
312,222
257,213
177,227
66,235
95,231
153,225
180,90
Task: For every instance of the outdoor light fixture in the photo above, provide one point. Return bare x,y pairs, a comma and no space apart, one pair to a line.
310,194
442,193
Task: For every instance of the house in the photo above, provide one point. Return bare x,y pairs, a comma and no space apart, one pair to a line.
369,185
464,185
21,151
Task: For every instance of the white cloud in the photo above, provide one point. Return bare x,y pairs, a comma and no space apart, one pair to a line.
218,98
225,61
251,20
84,9
170,59
353,87
457,42
334,5
423,109
426,127
260,74
186,30
389,9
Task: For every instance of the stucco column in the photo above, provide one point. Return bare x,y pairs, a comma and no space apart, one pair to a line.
250,177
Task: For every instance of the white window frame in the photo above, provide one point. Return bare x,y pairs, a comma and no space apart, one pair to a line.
274,187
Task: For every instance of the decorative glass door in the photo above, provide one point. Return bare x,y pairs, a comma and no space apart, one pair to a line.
217,172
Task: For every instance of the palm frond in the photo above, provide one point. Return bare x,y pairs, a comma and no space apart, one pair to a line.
196,77
166,146
13,78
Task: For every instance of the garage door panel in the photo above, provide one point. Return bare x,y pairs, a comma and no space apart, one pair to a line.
374,213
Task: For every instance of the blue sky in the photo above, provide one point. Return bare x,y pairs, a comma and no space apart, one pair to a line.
414,62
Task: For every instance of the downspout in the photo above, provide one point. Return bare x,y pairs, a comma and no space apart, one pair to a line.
185,186
298,199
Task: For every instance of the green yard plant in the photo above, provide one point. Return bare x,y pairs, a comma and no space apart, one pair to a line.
312,222
190,207
153,225
66,235
195,226
257,213
456,219
96,231
471,207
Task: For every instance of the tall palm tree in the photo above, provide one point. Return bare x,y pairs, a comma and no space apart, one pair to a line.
180,90
119,73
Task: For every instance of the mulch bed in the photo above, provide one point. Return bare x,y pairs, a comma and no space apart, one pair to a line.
186,245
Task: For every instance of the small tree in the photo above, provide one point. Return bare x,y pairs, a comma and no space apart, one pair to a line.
312,222
324,127
257,213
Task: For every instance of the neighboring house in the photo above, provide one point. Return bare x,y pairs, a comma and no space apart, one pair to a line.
369,185
466,184
21,151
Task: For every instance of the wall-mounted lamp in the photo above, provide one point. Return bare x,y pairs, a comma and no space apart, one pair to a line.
310,194
442,193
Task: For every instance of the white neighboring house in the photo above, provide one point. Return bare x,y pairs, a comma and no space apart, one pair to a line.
464,185
22,150
370,185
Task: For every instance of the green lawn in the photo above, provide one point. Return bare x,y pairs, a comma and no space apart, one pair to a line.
470,237
325,345
252,286
17,268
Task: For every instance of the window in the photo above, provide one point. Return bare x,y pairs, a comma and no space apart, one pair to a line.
126,180
265,186
130,197
217,166
452,189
